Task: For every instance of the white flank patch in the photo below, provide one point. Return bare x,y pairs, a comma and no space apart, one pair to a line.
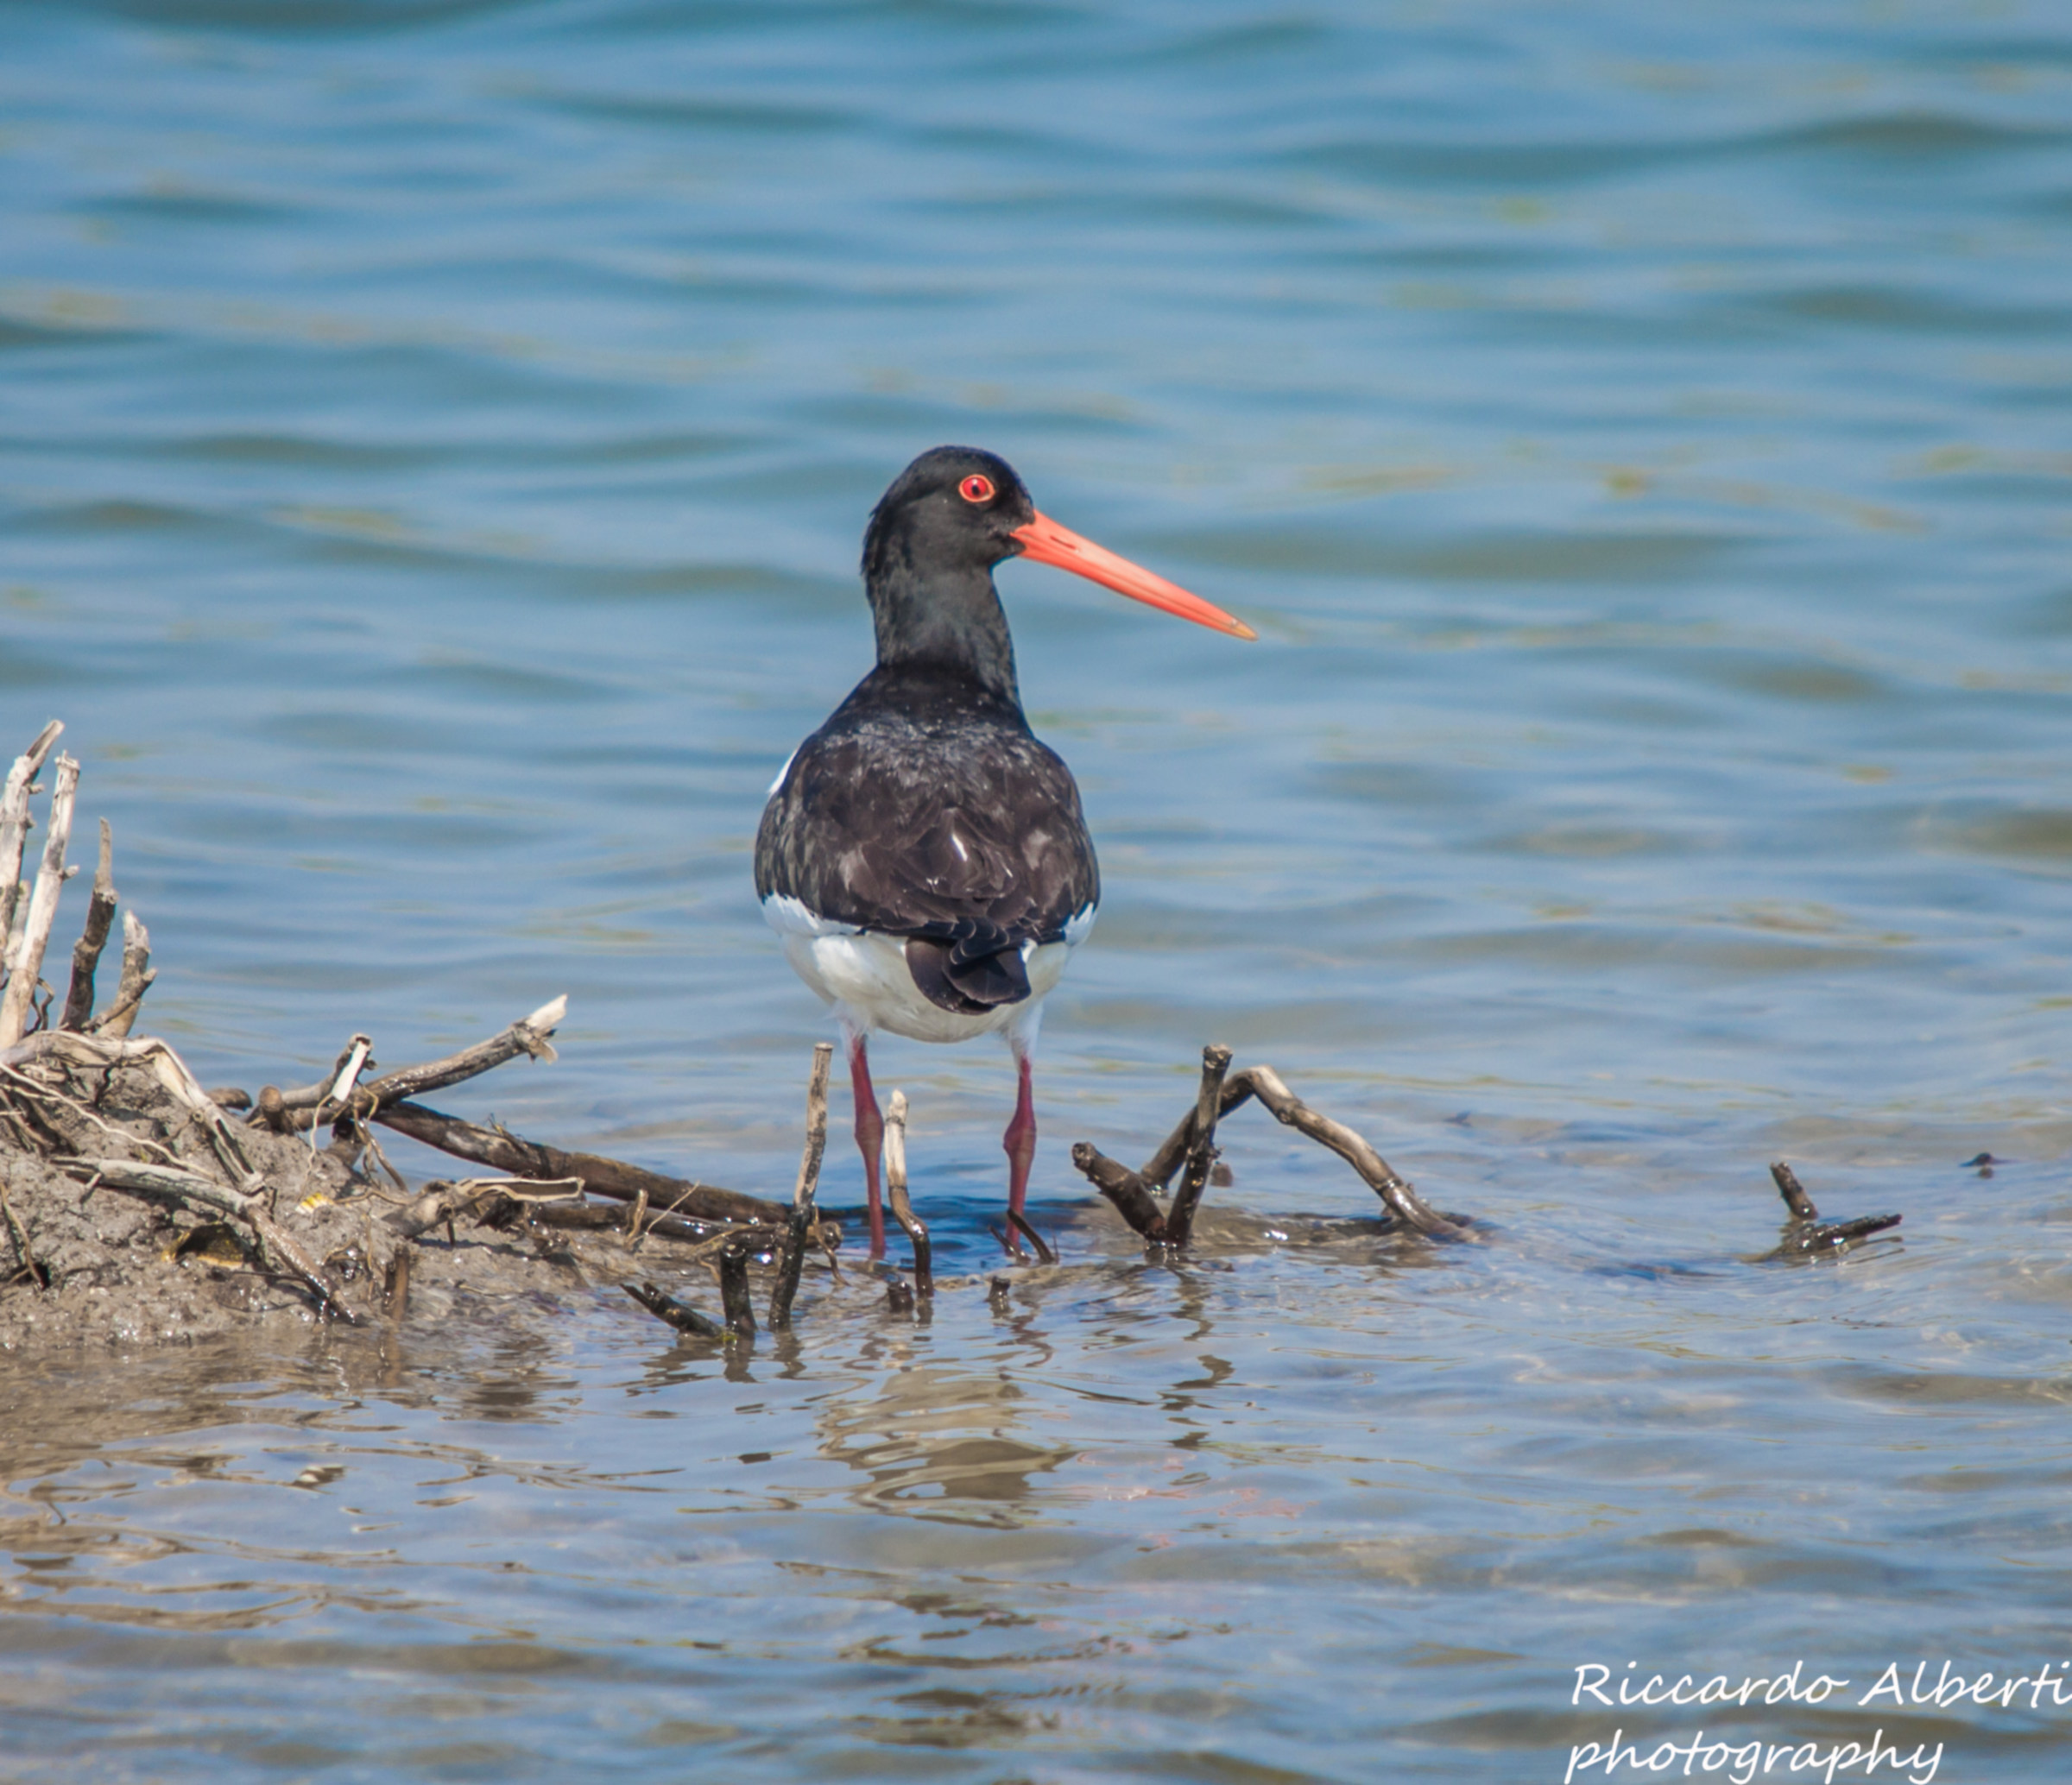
789,916
1079,926
782,772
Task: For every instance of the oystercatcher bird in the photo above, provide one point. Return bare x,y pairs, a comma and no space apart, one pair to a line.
922,855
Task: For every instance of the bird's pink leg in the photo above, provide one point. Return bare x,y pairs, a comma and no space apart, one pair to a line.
870,1138
1020,1138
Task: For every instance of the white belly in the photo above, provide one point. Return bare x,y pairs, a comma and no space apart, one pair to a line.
864,976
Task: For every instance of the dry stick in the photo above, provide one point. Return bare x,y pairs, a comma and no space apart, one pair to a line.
1201,1151
601,1176
99,1053
42,907
86,951
14,820
135,980
528,1035
895,1192
785,1291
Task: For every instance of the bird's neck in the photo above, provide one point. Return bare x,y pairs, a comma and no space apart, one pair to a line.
949,624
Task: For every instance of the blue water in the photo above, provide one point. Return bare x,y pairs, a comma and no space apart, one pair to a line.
434,444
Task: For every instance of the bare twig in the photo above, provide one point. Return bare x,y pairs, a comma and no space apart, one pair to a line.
443,1202
896,1193
102,1052
1793,1192
37,1273
15,822
680,1315
816,1126
1403,1202
613,1178
733,1287
135,980
1022,1225
1201,1148
528,1035
785,1291
27,962
86,951
1124,1188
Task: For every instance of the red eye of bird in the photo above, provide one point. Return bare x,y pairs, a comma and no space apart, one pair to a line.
976,489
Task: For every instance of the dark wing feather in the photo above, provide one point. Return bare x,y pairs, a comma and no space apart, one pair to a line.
960,831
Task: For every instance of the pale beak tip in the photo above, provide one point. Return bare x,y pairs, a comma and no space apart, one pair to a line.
1240,630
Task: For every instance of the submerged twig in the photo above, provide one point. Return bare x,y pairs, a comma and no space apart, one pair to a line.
680,1315
1806,1232
733,1287
1125,1189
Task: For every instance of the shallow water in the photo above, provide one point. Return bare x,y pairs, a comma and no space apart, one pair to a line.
434,440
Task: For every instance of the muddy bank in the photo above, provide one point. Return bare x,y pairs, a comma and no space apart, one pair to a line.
124,1224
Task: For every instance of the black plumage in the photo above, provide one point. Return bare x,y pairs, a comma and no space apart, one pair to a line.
929,810
925,808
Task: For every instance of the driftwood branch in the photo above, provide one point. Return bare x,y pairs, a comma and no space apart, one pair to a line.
902,1208
1806,1232
1132,1192
792,1259
14,823
25,961
86,951
611,1178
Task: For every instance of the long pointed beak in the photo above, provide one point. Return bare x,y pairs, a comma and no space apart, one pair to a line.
1043,541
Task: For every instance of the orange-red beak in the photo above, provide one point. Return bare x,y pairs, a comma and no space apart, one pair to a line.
1043,541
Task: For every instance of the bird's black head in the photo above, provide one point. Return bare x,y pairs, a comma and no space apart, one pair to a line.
954,509
928,559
